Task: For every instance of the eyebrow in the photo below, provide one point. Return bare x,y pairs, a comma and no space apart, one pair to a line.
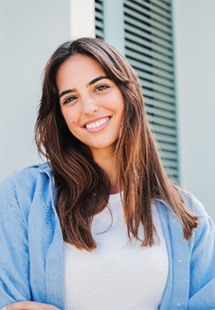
67,91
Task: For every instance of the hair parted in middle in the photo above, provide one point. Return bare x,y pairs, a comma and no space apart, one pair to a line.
83,188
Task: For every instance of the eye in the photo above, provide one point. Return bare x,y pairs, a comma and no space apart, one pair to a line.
102,87
69,100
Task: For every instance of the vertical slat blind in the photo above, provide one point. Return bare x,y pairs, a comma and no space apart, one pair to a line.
149,49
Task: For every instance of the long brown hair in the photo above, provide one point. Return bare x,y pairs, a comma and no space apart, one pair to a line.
82,186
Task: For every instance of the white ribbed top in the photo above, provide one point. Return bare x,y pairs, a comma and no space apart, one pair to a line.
119,274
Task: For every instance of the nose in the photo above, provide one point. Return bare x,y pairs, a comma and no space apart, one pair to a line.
88,105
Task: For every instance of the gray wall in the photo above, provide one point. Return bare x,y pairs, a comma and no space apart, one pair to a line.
195,67
29,32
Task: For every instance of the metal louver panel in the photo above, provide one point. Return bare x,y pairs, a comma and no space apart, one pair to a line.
149,49
99,18
148,45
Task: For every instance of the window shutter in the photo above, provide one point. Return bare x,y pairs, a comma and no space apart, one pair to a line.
148,45
99,19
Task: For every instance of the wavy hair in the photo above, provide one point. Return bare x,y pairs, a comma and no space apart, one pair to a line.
82,186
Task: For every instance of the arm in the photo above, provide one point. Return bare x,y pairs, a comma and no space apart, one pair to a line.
29,306
202,265
14,260
16,195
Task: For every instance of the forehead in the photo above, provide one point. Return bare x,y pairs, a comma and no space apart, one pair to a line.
78,69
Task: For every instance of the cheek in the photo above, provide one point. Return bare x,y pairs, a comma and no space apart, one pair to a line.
71,125
73,129
120,104
70,117
122,112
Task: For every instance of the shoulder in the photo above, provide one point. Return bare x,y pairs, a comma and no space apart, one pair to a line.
18,190
193,203
196,206
25,177
204,233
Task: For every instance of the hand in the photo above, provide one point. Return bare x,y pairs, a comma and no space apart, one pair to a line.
29,305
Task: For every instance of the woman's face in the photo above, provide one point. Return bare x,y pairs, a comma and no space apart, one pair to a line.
92,104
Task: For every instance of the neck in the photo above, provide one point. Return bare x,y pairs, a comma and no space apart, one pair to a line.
107,162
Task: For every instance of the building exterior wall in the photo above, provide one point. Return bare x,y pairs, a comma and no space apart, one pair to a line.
31,30
82,18
195,74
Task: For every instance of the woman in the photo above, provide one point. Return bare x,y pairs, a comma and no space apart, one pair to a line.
100,226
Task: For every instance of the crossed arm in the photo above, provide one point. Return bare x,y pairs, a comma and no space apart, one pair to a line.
29,305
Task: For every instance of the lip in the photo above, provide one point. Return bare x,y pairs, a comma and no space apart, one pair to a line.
98,128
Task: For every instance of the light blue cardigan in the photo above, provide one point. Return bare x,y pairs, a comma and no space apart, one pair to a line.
31,247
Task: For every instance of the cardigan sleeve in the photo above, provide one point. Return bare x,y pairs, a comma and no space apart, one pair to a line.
202,264
14,257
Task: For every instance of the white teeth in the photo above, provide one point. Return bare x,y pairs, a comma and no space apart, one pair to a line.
97,123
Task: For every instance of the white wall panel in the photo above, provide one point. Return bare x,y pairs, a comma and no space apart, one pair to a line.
195,67
29,32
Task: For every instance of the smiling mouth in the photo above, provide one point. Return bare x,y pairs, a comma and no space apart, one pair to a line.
98,123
